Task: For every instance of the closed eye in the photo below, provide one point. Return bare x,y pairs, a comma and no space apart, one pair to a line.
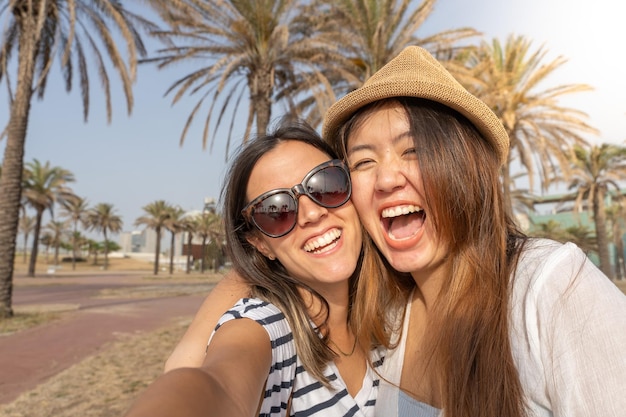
361,164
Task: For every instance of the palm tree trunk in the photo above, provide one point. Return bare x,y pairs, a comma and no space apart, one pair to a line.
189,239
263,100
599,217
157,251
203,261
24,255
74,246
33,252
172,254
106,249
13,165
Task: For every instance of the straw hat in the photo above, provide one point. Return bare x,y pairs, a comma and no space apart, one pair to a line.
415,73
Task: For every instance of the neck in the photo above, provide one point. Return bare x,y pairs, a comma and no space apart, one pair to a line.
336,295
429,283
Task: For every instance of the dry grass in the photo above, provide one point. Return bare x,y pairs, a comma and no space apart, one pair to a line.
115,264
102,385
22,320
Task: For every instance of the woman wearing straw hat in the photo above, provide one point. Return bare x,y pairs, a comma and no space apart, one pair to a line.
498,324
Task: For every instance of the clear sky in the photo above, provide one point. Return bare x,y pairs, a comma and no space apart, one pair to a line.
137,159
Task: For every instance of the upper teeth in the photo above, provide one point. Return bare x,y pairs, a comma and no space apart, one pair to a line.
400,210
324,240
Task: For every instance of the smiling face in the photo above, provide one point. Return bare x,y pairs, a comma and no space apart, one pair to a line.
388,191
324,246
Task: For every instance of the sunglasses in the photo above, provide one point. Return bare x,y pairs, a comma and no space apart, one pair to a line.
275,212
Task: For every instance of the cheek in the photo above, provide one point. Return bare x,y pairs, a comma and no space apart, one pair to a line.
361,192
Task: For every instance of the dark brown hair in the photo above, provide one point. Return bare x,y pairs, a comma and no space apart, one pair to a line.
270,281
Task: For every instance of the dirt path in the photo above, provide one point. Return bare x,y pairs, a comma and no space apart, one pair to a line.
30,357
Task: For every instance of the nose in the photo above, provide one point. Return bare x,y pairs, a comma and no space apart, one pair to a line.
390,176
309,212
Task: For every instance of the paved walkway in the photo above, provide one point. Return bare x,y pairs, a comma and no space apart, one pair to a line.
28,358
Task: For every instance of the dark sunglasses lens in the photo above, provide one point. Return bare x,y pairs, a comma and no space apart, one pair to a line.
276,214
329,187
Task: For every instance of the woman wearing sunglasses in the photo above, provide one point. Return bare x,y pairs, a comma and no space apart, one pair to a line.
291,348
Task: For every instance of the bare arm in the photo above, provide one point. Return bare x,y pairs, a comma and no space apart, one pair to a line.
230,382
190,350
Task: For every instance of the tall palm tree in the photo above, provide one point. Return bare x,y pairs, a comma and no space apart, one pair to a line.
511,79
596,171
104,218
156,217
26,225
57,229
239,49
174,224
34,35
43,186
75,210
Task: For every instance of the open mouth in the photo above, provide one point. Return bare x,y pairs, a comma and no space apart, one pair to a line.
323,243
403,222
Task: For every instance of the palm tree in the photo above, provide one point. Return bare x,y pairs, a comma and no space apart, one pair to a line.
583,237
174,224
157,215
509,79
46,241
239,49
75,210
615,215
209,228
372,32
26,225
43,186
56,229
35,33
189,225
597,170
103,218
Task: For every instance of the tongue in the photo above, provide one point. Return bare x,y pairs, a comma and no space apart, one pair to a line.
405,226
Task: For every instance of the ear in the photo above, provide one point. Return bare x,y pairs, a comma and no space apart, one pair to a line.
260,245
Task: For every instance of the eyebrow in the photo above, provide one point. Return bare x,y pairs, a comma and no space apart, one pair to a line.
369,146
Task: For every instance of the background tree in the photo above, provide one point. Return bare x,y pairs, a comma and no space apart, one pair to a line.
75,210
174,224
57,230
103,218
43,186
156,217
240,49
209,228
372,32
597,170
615,216
511,79
35,33
189,226
26,226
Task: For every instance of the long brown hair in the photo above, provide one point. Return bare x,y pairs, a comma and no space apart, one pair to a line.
472,361
270,281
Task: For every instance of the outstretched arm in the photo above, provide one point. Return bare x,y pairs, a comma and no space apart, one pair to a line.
190,350
230,382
